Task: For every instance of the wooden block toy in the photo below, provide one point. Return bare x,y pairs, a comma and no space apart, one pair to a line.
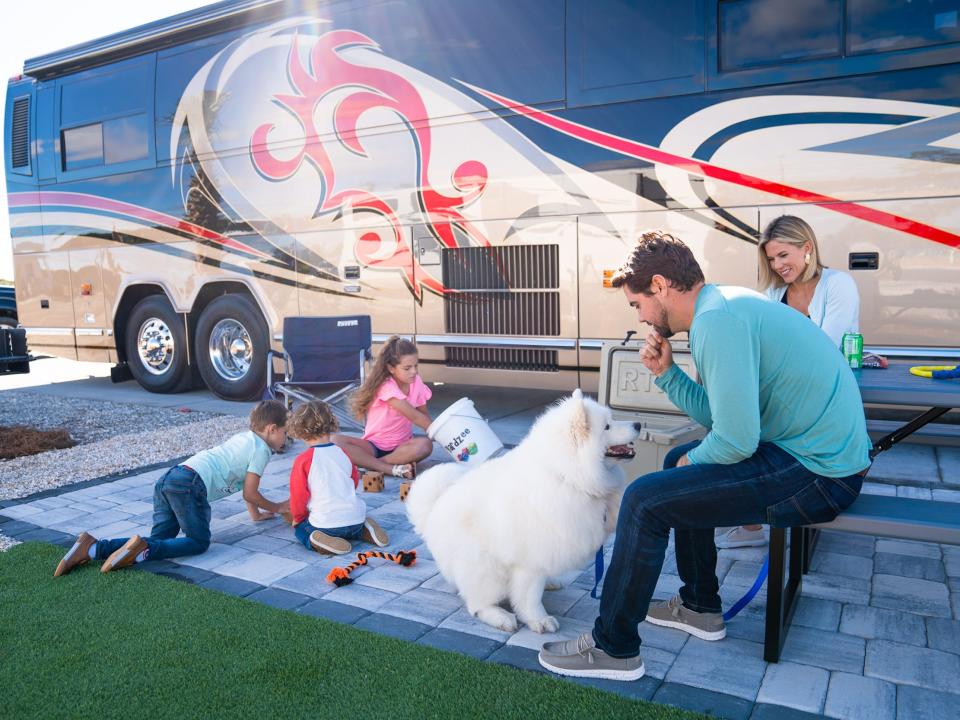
404,489
373,482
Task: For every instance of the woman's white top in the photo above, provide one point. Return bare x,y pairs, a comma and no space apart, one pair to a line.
835,305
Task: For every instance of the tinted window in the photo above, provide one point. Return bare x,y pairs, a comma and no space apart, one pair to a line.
877,25
121,92
764,32
83,147
629,42
106,116
125,139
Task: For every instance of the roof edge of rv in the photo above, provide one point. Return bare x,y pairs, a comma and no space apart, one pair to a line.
152,35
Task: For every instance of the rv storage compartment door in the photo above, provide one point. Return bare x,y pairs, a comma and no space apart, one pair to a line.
627,387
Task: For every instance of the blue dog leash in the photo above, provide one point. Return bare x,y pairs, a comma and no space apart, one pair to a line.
728,615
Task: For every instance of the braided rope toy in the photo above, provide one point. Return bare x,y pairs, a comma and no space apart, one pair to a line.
339,576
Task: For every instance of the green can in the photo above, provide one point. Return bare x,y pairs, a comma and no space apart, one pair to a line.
852,345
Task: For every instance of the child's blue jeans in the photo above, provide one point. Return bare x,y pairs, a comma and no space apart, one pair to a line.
179,503
347,532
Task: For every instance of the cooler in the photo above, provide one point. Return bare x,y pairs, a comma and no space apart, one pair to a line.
628,388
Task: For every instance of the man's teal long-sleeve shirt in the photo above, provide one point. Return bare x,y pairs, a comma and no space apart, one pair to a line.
769,375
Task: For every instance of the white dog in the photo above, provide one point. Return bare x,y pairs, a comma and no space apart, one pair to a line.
498,530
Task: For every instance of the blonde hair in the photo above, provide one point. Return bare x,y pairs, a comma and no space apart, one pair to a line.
393,349
312,420
793,231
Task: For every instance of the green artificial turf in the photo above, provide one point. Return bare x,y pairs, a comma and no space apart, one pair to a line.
135,645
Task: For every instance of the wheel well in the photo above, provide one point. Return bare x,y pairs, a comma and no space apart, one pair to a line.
131,296
210,292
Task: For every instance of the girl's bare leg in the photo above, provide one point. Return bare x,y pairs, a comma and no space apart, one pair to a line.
362,454
411,451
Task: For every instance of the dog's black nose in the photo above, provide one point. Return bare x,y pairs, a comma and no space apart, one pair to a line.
638,426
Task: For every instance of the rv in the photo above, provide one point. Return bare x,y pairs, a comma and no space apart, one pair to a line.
470,175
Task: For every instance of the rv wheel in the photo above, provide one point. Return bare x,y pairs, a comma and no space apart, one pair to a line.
232,345
156,345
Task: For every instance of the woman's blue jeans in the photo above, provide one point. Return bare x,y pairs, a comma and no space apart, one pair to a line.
770,487
179,503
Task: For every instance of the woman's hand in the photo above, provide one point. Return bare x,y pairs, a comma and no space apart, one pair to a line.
656,353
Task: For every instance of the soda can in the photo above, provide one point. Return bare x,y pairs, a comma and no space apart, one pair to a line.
852,345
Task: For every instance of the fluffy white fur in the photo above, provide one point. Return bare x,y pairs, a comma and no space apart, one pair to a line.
498,530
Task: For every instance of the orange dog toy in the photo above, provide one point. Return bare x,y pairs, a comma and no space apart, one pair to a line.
340,576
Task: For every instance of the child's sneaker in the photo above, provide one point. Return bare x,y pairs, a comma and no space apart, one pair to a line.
373,533
328,544
77,555
125,555
404,471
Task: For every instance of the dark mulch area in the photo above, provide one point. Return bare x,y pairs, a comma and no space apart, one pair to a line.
19,440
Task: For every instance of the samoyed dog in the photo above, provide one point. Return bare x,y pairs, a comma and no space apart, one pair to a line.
498,530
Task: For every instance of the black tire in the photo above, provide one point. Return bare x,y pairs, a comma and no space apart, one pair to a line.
156,345
232,341
7,322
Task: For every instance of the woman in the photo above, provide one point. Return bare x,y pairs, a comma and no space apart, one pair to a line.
791,273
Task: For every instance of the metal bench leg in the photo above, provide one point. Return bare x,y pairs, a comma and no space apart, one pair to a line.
781,596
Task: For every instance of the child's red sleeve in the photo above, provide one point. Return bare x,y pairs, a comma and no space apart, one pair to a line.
355,474
299,488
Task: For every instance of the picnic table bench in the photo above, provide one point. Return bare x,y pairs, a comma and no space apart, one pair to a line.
904,518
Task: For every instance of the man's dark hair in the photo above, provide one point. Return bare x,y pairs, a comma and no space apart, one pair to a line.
658,253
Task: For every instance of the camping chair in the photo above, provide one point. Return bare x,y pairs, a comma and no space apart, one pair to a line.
323,359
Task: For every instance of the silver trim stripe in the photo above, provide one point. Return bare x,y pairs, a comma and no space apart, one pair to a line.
497,341
49,331
88,331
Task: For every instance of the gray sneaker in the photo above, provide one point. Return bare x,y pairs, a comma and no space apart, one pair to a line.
581,657
737,537
671,613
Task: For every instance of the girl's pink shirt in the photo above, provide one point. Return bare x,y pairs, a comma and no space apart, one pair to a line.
385,427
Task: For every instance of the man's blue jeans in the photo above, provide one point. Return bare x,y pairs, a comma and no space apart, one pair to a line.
769,487
179,502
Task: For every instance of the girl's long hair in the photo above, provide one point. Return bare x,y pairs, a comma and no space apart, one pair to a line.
393,349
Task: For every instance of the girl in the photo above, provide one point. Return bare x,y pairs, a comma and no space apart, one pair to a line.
327,514
393,399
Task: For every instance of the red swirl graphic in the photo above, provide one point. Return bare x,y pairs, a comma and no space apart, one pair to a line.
371,88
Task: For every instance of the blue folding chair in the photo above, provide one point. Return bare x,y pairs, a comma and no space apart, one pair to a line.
323,359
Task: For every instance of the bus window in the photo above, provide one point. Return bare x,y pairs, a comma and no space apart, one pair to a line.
633,50
105,119
769,32
879,25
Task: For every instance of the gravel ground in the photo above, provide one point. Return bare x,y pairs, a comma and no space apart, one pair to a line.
88,421
32,473
7,543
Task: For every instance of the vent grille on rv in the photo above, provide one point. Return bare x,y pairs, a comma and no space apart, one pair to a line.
20,133
511,290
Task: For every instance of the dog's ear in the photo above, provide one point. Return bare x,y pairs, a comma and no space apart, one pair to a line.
580,423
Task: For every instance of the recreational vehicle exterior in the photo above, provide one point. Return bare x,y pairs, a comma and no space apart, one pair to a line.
470,173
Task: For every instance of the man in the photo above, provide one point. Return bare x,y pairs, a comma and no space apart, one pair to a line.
787,445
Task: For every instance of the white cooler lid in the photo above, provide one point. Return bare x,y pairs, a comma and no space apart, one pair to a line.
626,384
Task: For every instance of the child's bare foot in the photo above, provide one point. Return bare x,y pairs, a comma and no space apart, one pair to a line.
261,516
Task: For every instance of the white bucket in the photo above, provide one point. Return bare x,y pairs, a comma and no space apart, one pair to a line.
464,434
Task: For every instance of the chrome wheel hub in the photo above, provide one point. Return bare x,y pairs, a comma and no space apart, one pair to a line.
231,350
155,346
